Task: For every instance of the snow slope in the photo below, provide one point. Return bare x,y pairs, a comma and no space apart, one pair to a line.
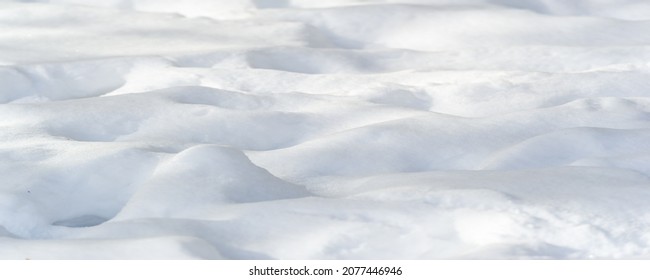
343,129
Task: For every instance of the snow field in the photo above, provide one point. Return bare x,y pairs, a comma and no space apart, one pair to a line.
342,130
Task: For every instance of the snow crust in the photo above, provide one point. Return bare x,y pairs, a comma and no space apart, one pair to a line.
342,129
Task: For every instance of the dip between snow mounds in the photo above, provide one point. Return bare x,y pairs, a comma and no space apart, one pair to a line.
299,129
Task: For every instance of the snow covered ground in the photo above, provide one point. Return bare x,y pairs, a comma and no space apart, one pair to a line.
339,129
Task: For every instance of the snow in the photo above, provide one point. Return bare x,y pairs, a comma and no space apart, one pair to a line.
344,129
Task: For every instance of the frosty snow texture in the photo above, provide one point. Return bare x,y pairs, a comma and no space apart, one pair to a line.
343,129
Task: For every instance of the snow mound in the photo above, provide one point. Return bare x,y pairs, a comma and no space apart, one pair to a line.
344,129
205,177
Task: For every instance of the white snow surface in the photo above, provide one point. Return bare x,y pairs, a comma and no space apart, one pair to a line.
340,129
